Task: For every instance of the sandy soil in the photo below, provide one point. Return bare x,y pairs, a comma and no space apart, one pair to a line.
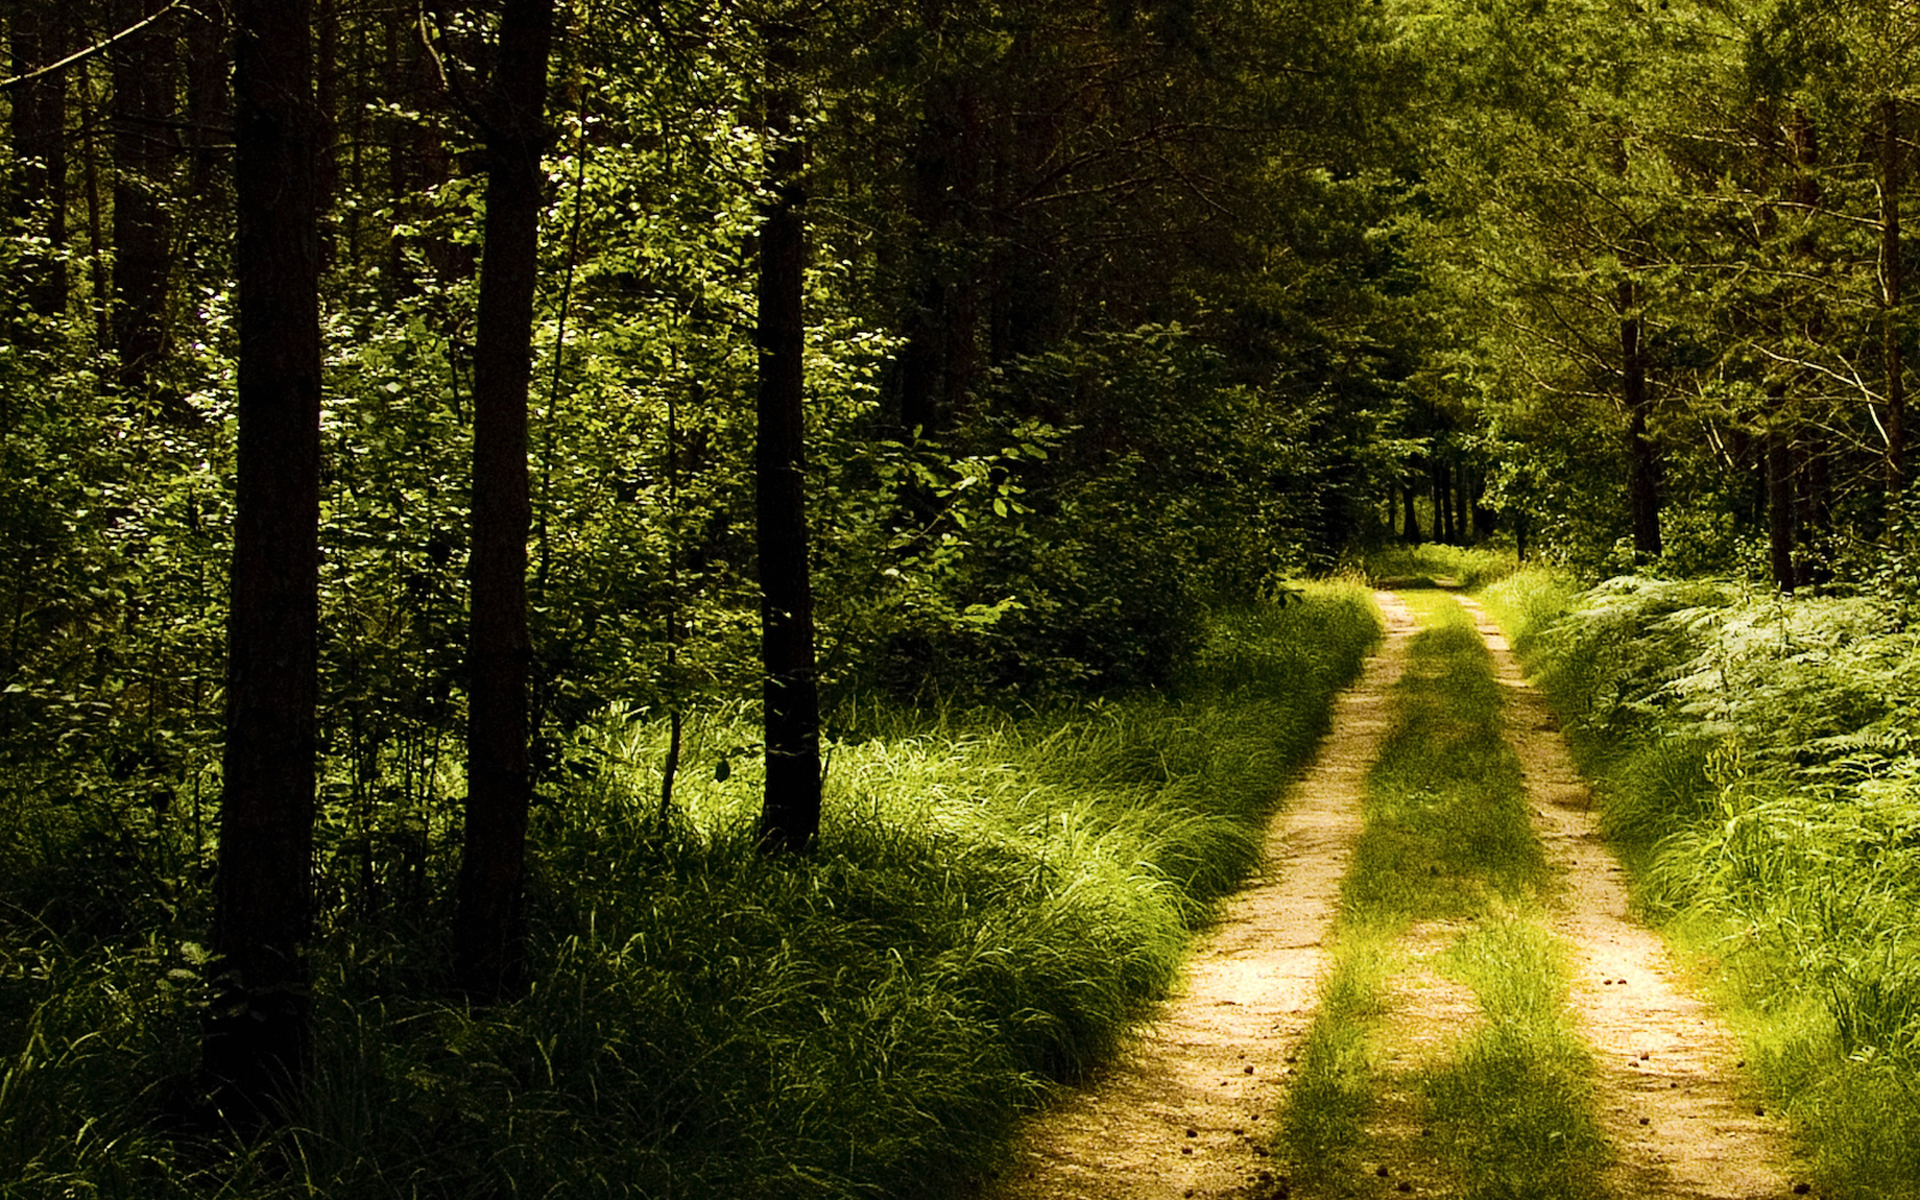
1682,1120
1185,1114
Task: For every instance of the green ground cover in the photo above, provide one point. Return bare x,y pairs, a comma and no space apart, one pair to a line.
1447,838
994,901
1756,763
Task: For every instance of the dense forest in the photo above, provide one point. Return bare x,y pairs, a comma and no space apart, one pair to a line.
632,581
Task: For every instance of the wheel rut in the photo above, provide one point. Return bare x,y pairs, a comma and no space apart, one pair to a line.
1683,1121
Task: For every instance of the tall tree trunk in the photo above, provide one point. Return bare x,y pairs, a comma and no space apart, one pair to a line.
1462,504
1779,467
209,109
488,931
257,1031
1890,293
1643,481
143,157
1813,511
938,361
790,813
38,37
1411,534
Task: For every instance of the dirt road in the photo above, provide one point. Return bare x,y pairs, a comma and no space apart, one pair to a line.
1189,1113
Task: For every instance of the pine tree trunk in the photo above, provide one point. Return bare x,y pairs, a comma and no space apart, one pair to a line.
1643,482
488,934
1891,283
144,153
1411,534
39,36
790,814
257,1030
1780,509
1462,505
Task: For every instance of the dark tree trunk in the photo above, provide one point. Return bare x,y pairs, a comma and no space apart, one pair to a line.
1442,501
38,37
488,931
1890,291
208,107
1462,504
1780,509
327,85
790,814
144,153
1813,509
1410,534
938,362
257,1030
1643,481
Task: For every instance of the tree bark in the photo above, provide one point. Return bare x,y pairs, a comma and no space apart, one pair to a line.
488,931
1462,504
1780,539
1411,533
790,812
1643,482
143,157
1891,284
39,37
256,1034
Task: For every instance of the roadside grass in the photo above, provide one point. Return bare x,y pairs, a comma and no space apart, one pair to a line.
1448,839
1756,764
993,905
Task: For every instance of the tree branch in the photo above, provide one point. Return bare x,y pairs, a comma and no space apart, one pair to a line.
93,51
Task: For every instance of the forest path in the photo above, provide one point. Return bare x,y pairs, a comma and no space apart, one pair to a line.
1671,1100
1189,1113
1186,1113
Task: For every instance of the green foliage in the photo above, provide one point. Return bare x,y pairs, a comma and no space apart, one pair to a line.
992,905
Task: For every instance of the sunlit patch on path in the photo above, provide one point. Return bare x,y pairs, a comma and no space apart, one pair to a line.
1682,1121
1186,1113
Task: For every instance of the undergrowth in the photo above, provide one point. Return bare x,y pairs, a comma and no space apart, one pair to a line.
993,903
1757,763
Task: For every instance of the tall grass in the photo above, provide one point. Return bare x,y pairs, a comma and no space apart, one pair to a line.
1757,762
993,904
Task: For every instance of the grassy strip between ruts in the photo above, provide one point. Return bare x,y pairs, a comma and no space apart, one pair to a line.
1504,1106
1756,766
993,903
